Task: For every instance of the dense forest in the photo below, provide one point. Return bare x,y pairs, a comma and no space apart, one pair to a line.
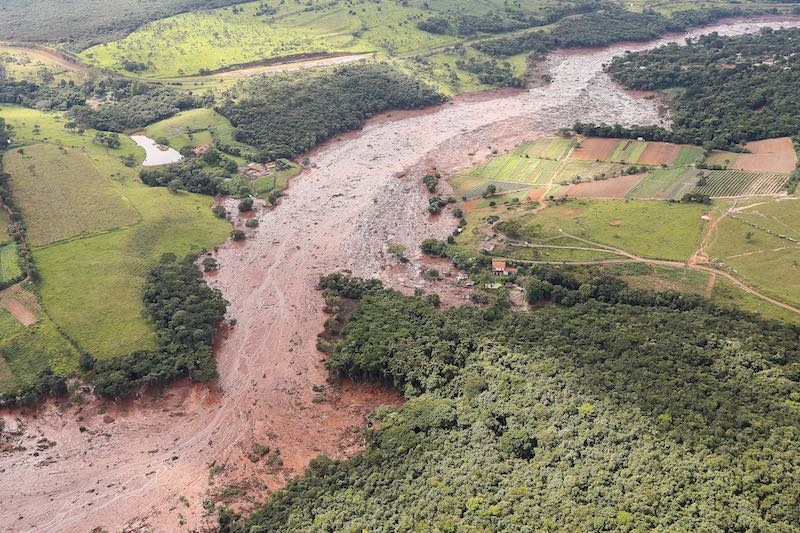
731,89
509,20
135,105
84,23
603,28
581,416
288,114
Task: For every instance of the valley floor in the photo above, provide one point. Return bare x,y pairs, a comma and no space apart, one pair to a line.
158,461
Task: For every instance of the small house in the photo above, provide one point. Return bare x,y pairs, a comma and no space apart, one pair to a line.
500,268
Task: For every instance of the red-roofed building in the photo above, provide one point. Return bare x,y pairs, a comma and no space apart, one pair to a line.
500,268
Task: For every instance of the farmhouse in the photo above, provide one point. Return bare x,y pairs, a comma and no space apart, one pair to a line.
255,170
500,268
200,150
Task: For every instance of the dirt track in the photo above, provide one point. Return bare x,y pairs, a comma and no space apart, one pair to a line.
138,463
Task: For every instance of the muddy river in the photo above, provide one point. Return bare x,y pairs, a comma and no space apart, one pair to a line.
154,461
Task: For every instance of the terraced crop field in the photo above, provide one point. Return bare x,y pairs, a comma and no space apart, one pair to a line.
731,183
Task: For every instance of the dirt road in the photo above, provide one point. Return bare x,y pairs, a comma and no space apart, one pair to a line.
154,462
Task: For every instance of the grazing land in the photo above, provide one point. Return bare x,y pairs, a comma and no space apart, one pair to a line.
9,263
211,40
62,195
193,128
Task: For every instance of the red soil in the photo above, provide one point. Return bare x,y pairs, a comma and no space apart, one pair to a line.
658,153
613,188
20,312
595,149
771,155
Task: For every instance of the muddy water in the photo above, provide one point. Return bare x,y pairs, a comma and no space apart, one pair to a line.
149,461
155,154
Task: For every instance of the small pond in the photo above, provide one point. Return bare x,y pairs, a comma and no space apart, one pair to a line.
156,154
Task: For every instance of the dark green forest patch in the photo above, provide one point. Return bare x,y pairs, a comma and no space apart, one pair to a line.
583,416
289,114
725,90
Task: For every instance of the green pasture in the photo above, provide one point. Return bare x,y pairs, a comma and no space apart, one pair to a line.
9,263
30,125
765,261
219,38
116,227
31,64
628,152
92,286
26,351
61,194
194,127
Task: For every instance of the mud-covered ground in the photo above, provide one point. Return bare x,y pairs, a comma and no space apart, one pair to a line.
156,461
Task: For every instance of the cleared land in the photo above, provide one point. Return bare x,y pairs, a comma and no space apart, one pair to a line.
91,283
618,187
770,155
30,125
195,127
29,342
62,195
760,242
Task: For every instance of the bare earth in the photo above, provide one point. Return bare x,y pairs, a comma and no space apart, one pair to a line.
136,464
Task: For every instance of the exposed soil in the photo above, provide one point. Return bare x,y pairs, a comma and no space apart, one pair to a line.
293,65
658,153
595,149
154,461
771,155
19,311
612,188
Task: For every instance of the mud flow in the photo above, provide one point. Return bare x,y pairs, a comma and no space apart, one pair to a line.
154,462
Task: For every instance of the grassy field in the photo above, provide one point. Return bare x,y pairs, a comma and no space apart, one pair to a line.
756,254
30,125
9,263
38,66
215,39
26,351
91,284
193,128
61,194
79,275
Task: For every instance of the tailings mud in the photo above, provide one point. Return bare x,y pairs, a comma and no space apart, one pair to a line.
154,462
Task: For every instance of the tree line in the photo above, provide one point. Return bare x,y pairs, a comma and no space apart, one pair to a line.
601,412
731,89
284,115
601,28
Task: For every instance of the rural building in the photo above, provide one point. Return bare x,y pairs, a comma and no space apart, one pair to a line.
256,170
200,150
500,268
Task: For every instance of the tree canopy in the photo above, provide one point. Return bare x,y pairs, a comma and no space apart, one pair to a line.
583,416
285,115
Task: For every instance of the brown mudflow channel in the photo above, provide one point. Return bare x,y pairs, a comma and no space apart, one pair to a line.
148,461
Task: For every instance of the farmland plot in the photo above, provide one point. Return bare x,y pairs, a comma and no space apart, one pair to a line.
731,183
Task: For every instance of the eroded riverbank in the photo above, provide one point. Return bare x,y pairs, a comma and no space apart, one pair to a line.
156,461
